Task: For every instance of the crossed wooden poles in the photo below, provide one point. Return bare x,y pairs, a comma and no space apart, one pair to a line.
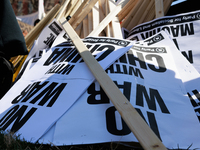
105,18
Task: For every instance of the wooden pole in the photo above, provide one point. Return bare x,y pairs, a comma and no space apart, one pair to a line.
62,11
95,16
84,13
79,10
108,19
137,125
108,27
102,15
127,9
90,22
115,24
138,15
131,14
74,9
147,10
159,8
85,26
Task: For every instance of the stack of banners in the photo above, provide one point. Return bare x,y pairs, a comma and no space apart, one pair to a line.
52,85
184,28
58,101
150,79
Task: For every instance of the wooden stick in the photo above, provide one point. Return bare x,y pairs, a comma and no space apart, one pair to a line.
159,8
108,19
85,27
145,13
108,27
138,15
77,13
101,16
95,15
79,29
75,8
62,11
151,14
137,125
127,9
131,14
90,22
115,25
70,7
86,10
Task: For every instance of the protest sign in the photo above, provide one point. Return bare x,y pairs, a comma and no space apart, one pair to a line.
148,77
188,74
52,85
184,29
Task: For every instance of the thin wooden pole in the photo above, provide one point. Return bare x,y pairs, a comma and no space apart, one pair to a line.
138,15
159,8
84,13
137,125
108,19
75,8
108,27
127,9
147,10
131,14
85,26
79,10
90,22
115,25
62,11
95,16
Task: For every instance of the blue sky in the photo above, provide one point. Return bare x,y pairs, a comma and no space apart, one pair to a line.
178,1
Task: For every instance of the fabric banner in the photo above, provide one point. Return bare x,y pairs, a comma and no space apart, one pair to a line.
47,90
184,29
149,78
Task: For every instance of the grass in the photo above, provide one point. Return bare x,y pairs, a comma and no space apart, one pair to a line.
9,141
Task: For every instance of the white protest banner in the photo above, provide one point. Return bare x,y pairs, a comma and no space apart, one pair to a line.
184,28
53,84
188,74
148,77
41,45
